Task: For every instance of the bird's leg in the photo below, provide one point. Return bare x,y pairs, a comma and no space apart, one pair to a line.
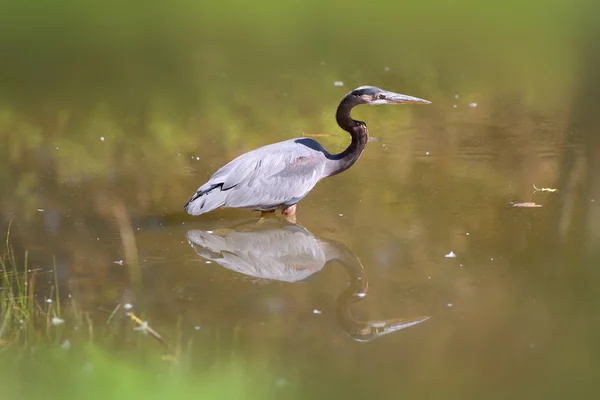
289,213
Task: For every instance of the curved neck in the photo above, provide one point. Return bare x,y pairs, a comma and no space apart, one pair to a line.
359,330
357,130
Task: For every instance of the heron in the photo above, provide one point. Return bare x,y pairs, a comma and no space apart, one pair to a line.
279,175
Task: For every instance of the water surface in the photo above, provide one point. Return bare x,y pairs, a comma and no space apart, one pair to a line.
107,134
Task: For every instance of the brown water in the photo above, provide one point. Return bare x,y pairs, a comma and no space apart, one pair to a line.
102,148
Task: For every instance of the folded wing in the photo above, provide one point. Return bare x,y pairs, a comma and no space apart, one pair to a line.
264,179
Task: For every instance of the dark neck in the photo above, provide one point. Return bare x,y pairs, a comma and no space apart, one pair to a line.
357,130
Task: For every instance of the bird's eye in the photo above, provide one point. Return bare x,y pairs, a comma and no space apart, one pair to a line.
379,96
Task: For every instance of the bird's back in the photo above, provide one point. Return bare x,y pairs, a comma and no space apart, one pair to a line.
264,179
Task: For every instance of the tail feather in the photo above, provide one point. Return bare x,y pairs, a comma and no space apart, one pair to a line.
206,200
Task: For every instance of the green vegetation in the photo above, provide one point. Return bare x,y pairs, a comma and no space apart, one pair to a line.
92,372
20,313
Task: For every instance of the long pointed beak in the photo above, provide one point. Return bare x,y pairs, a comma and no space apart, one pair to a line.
395,98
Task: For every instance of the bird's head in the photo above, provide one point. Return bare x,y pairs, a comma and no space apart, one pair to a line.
374,95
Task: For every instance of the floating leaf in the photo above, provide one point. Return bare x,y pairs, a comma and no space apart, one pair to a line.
551,190
527,205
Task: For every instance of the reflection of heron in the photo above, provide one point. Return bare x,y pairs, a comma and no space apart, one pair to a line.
281,251
279,175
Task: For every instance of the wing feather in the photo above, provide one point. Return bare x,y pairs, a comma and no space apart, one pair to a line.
265,178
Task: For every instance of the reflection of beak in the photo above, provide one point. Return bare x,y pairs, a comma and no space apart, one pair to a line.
372,330
392,325
395,98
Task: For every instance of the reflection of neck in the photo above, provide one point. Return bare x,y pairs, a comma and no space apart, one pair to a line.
362,331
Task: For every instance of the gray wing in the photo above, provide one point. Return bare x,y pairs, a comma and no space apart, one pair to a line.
265,178
290,254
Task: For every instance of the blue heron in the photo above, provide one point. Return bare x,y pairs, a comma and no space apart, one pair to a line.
279,175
